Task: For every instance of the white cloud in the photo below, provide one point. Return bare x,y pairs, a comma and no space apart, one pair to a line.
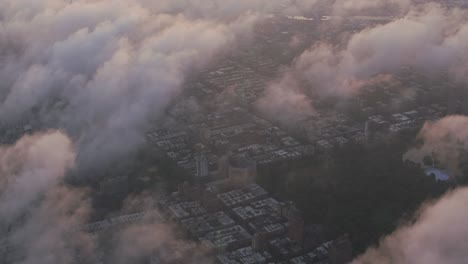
438,236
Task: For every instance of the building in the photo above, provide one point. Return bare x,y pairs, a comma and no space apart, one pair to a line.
259,241
185,210
200,225
284,248
296,226
201,165
256,209
241,171
227,239
119,221
270,225
246,255
319,255
242,196
190,191
211,201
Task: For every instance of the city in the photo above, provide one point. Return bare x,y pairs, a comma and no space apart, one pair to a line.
295,132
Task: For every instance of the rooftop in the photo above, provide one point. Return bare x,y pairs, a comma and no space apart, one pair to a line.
203,224
285,248
317,256
256,209
269,224
245,255
244,195
227,238
186,209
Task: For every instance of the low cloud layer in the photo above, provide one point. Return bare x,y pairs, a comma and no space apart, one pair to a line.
140,241
42,219
445,140
152,237
39,215
429,38
285,101
50,233
29,168
377,7
438,235
100,69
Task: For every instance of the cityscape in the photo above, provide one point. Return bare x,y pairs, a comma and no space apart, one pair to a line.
233,132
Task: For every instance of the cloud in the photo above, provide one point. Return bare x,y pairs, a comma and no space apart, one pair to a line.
377,7
155,239
283,101
39,215
429,38
101,69
50,233
29,168
98,70
446,140
222,9
437,236
42,218
150,237
434,38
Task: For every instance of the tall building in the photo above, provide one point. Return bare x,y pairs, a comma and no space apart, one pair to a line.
201,163
296,226
366,132
241,171
259,241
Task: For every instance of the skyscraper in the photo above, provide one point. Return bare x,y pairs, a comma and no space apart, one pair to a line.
201,166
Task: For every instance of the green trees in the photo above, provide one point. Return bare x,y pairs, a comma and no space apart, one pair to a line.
365,191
